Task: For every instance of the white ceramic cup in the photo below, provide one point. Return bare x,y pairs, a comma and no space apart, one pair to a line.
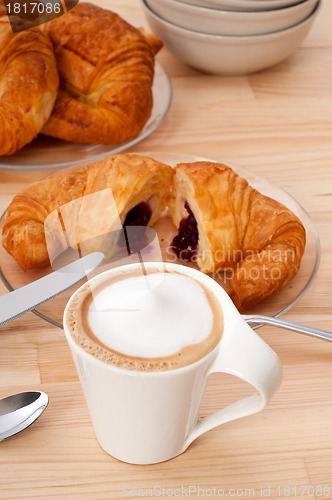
149,417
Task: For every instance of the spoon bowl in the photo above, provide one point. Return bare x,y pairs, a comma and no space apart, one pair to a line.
19,411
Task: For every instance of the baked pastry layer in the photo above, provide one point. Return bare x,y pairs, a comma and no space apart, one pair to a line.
83,207
28,85
106,68
224,223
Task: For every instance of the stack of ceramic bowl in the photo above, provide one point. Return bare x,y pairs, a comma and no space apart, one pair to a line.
231,37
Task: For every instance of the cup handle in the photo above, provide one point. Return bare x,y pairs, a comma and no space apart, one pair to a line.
244,354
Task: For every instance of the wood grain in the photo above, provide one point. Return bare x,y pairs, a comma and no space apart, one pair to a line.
276,123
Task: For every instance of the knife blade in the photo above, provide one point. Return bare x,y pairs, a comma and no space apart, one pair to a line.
26,298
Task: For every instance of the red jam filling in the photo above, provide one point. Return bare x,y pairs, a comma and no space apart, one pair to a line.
185,243
136,239
139,215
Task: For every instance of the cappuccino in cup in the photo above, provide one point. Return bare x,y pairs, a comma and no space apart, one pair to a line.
144,341
155,321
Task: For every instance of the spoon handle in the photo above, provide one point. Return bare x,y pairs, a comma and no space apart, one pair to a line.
308,330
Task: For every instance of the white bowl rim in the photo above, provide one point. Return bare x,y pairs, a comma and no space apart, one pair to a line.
259,14
234,38
253,5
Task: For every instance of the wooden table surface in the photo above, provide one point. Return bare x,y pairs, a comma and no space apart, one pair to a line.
277,123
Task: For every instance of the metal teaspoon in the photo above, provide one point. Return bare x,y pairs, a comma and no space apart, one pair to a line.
308,330
19,411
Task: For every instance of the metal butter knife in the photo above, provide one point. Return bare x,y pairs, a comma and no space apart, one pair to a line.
24,299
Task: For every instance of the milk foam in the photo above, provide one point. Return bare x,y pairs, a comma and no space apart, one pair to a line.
131,318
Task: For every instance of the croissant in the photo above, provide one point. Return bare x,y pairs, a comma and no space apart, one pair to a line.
224,223
28,85
106,68
73,208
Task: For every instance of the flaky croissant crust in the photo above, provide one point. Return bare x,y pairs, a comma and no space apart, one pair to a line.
238,227
132,179
106,68
259,238
28,85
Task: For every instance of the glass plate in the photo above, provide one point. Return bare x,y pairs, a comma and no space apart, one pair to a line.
46,152
13,277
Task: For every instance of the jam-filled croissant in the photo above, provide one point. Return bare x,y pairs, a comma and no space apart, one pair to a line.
76,208
224,223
